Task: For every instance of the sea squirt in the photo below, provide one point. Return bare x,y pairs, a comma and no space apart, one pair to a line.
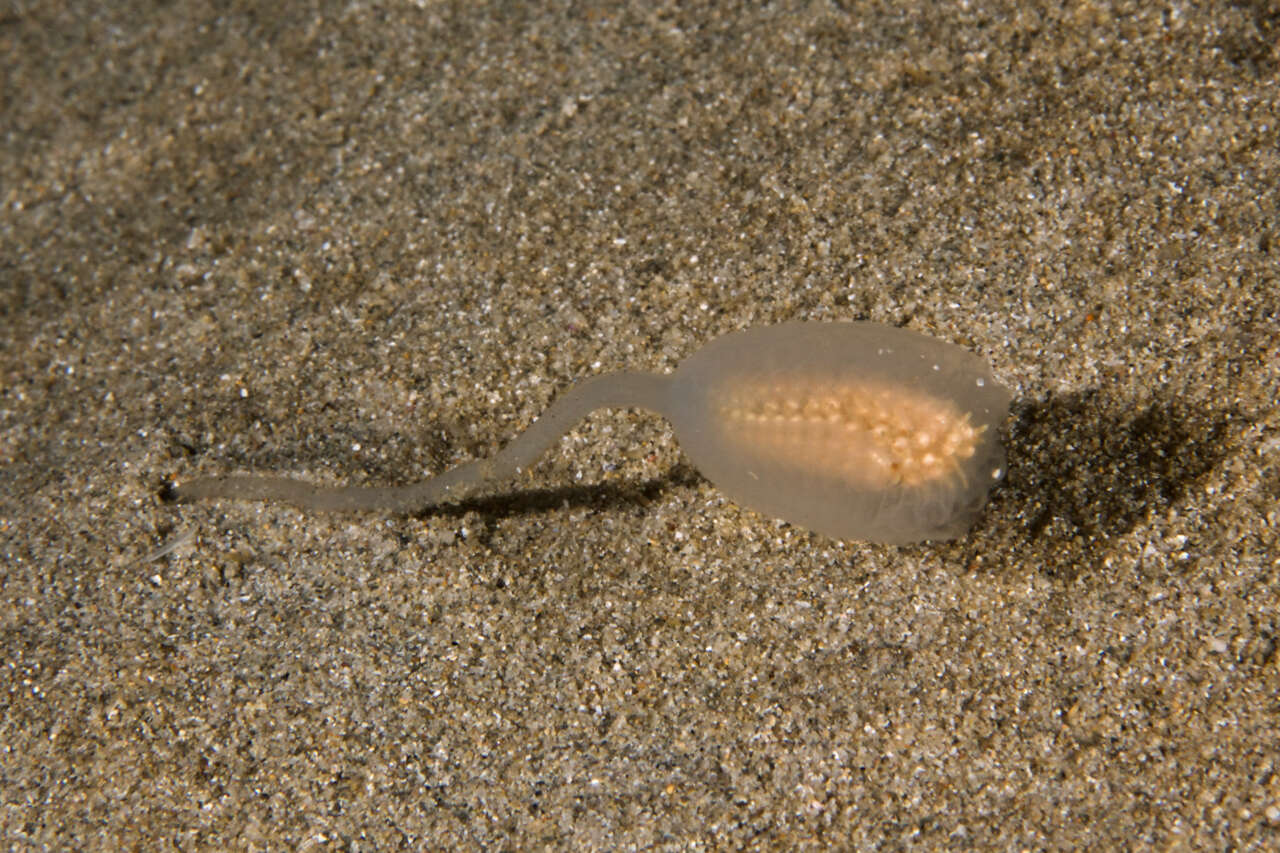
856,430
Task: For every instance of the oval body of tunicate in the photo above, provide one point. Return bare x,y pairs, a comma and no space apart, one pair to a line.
856,430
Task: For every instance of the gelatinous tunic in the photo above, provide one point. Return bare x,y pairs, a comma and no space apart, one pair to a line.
856,430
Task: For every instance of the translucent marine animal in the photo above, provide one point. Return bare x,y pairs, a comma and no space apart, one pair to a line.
856,430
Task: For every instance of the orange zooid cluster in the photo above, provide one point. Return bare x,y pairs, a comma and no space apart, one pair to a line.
875,434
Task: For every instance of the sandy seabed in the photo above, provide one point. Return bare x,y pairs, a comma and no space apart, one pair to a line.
365,241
